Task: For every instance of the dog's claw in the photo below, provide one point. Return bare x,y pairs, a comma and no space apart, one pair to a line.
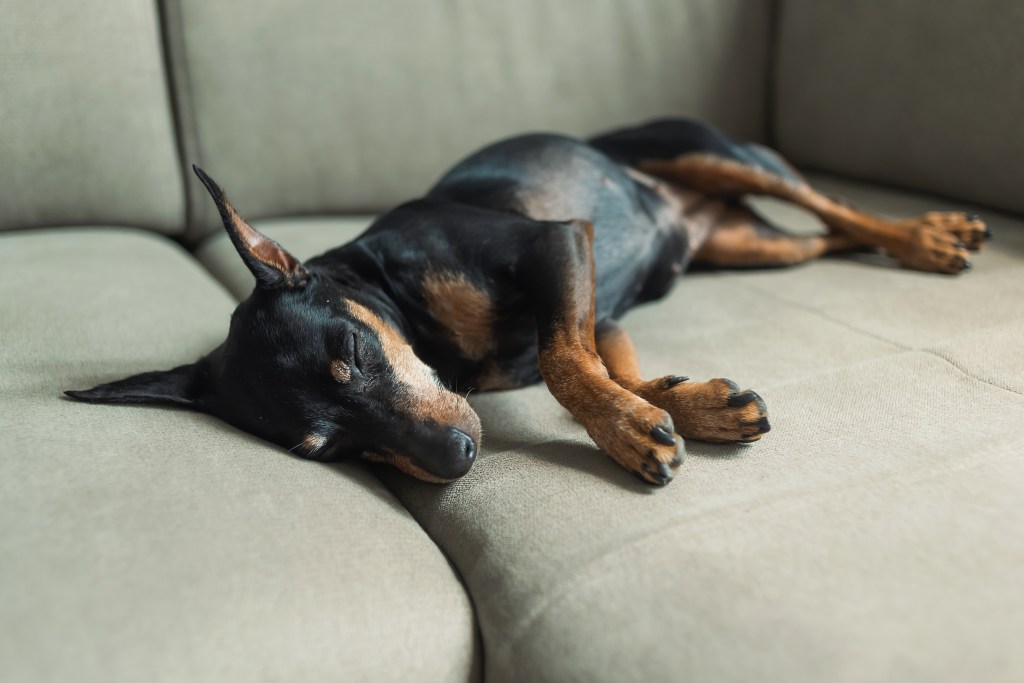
740,400
662,436
670,382
661,475
761,424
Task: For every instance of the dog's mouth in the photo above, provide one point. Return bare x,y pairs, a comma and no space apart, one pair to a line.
410,466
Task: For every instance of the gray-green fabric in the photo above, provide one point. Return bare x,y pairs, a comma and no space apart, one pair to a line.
918,93
152,544
86,131
314,107
875,534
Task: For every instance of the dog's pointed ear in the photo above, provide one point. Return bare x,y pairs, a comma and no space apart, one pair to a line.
179,386
272,265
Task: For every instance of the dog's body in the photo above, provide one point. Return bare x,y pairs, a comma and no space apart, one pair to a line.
514,268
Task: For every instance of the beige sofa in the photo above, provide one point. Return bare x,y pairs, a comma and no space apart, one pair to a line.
875,534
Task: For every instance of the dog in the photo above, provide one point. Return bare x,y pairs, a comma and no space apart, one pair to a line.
513,269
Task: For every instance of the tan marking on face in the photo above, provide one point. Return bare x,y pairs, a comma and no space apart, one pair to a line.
422,397
340,371
464,309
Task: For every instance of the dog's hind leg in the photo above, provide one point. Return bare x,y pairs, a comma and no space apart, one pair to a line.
741,238
698,156
934,242
558,275
716,411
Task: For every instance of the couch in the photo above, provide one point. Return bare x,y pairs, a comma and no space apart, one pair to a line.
875,534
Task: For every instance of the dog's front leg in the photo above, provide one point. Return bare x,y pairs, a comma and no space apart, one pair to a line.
560,278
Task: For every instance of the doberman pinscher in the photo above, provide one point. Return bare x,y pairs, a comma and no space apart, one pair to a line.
512,269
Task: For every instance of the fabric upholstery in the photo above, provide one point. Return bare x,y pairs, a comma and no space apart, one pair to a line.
912,92
160,545
86,130
317,107
874,534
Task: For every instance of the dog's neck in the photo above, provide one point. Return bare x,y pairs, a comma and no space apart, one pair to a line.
361,274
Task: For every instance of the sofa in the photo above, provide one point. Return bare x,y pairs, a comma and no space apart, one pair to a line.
876,534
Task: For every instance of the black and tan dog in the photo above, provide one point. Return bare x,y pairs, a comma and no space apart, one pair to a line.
512,269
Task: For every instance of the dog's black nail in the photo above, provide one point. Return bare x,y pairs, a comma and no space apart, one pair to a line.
967,265
972,216
961,245
677,459
665,471
740,400
670,382
988,233
662,436
763,425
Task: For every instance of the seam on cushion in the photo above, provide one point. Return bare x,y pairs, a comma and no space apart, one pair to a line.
969,374
185,121
824,316
567,587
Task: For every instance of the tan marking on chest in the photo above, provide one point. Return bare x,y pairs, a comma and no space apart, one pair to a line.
465,310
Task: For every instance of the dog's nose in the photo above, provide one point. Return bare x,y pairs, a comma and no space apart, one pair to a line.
460,451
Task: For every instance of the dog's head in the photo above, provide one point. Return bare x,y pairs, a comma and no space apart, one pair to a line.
317,366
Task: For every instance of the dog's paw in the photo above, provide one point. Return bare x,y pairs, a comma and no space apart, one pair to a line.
638,436
716,411
967,228
933,250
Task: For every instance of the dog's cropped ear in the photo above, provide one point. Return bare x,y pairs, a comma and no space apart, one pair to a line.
269,262
179,386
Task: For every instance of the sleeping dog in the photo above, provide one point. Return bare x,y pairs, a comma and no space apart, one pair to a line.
511,270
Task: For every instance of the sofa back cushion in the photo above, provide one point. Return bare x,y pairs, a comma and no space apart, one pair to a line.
86,129
318,106
917,93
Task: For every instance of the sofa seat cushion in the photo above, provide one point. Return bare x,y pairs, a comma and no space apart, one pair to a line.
143,543
875,533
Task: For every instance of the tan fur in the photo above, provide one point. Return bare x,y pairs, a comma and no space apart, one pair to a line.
406,465
619,422
465,310
735,242
699,410
340,371
929,243
262,248
422,396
